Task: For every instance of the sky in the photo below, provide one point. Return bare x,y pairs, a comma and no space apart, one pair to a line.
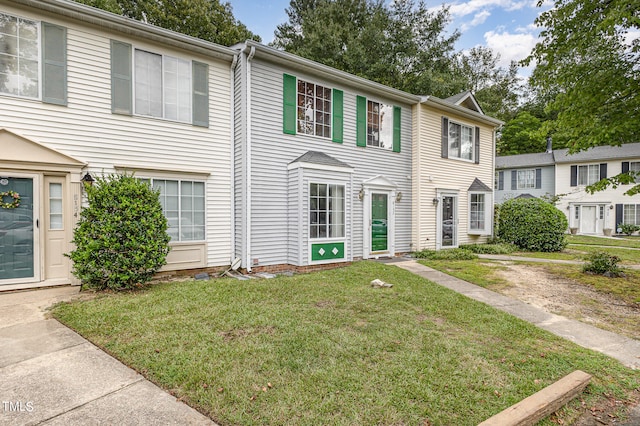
506,26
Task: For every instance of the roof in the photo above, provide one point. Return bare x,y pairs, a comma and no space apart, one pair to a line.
316,157
478,186
525,160
598,153
112,22
467,100
461,107
525,196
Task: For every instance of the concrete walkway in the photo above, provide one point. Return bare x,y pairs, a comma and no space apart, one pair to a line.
624,349
50,375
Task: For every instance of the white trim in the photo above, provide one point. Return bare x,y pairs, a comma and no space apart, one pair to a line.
488,213
307,229
160,172
440,194
378,185
315,166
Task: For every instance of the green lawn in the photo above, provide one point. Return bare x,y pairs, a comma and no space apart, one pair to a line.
327,348
618,241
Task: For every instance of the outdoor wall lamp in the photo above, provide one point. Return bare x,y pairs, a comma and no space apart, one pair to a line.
399,196
361,194
436,201
87,179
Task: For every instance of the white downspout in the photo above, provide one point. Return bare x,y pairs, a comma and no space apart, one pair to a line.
248,162
232,119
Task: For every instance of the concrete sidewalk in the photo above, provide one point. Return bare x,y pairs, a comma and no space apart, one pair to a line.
624,349
51,375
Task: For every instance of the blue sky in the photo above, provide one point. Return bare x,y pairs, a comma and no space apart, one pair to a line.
506,26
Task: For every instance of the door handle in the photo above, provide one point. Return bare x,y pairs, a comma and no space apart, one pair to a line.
38,223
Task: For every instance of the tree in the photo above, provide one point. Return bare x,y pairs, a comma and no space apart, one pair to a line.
205,19
588,60
521,135
401,45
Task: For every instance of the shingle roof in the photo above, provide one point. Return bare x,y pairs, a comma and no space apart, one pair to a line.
479,186
524,160
597,153
316,157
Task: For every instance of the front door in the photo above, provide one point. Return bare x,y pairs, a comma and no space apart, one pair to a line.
17,230
588,220
448,225
379,222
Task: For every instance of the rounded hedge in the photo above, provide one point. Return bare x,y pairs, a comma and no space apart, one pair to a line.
532,224
121,239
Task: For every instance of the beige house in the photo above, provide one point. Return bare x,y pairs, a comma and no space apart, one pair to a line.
453,172
85,93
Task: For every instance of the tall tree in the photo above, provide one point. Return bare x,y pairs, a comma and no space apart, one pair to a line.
402,45
205,19
588,58
521,135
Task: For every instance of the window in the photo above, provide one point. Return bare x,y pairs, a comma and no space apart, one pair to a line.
55,206
162,86
601,212
588,175
526,179
379,125
32,59
634,166
326,211
183,204
479,213
314,109
460,141
577,212
631,214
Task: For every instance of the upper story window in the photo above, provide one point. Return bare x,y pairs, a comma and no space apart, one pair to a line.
379,125
33,59
588,175
460,141
632,167
314,109
526,179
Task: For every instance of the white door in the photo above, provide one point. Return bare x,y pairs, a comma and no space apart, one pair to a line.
588,219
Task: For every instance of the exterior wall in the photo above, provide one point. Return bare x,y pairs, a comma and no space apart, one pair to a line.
271,151
87,130
547,184
572,196
434,174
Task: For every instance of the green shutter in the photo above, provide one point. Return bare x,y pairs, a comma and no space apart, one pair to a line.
338,105
289,104
54,64
361,121
121,80
397,125
200,94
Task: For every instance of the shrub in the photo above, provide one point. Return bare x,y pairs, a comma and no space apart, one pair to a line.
627,228
603,263
494,248
532,224
448,254
121,238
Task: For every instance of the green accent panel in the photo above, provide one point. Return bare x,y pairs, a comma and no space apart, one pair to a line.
289,94
379,225
361,121
54,64
338,106
200,112
397,111
121,78
16,231
327,251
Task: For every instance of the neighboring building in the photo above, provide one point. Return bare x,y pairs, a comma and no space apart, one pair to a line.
322,164
85,91
525,174
600,213
453,168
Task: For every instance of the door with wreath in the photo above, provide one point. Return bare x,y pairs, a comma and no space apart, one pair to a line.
17,231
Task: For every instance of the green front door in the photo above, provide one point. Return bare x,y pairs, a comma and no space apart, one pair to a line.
16,228
379,227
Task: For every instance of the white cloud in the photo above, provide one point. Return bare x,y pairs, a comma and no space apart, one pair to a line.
511,47
478,19
468,8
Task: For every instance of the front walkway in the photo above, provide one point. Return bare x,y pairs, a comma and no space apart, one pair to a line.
51,375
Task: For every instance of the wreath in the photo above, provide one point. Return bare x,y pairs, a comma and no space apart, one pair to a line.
15,199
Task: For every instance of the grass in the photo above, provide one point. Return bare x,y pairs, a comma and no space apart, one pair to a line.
616,242
327,348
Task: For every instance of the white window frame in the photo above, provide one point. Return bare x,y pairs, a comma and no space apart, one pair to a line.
328,211
307,110
634,166
451,141
487,213
180,79
379,125
588,177
38,57
526,179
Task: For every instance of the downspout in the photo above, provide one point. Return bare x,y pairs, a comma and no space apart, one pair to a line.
232,119
247,197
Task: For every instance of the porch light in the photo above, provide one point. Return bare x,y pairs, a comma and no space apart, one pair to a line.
87,179
399,197
436,201
361,194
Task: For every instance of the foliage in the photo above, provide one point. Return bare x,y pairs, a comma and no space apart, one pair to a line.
448,254
205,19
587,63
532,224
628,228
628,178
602,263
521,135
121,239
498,248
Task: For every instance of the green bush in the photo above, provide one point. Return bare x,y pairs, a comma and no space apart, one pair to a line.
602,263
494,248
628,228
532,224
448,254
121,239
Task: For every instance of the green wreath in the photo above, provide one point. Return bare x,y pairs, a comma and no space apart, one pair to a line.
15,199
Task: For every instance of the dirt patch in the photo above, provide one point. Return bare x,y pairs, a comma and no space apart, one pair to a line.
561,296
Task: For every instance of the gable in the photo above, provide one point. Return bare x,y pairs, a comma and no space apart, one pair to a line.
18,149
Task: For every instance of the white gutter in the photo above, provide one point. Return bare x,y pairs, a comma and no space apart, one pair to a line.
247,170
232,192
